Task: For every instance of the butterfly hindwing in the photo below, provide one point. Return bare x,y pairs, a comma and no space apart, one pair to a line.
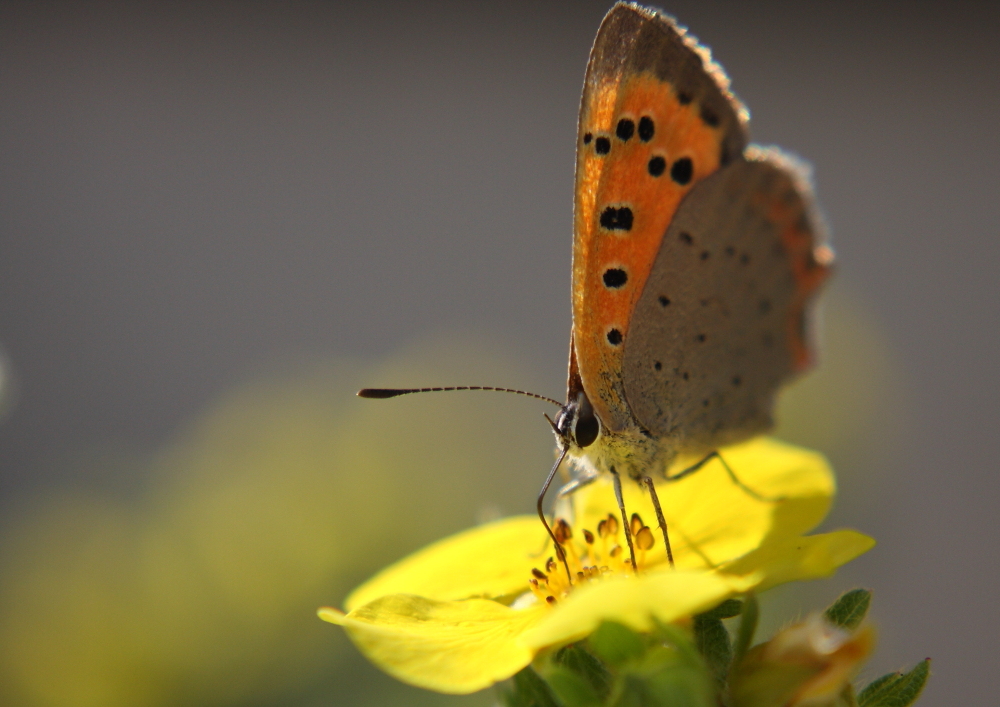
721,321
656,118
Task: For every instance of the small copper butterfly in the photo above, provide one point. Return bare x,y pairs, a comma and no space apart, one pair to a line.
695,260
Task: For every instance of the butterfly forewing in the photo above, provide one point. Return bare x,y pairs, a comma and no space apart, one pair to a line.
656,118
722,319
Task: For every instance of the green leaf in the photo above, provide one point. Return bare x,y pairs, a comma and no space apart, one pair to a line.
669,688
572,689
667,676
616,644
529,690
677,639
712,640
579,661
726,610
849,610
748,626
896,689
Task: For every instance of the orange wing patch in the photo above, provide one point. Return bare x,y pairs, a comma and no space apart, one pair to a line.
641,150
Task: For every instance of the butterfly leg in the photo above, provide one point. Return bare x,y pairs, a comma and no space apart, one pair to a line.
625,524
563,506
576,484
732,475
659,518
560,553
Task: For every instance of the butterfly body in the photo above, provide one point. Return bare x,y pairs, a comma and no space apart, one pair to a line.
695,258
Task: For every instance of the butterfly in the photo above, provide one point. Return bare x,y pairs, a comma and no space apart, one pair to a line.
696,258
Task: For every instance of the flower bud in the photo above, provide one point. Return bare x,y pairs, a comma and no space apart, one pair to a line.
807,664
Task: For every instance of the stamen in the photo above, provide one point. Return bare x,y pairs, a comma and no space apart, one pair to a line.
644,539
562,531
589,559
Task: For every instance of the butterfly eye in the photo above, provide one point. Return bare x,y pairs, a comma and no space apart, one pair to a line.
587,429
587,425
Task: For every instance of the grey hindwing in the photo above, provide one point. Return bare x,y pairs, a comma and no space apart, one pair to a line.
709,342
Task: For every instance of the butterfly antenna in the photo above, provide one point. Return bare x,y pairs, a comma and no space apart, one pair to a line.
382,393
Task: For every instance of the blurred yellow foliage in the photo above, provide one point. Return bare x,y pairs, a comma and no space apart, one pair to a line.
203,589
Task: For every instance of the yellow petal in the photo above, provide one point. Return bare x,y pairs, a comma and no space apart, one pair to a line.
788,559
488,561
634,601
711,519
454,647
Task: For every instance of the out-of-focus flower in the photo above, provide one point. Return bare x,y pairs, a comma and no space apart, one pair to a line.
477,607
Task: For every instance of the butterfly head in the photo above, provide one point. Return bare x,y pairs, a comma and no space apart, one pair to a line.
577,425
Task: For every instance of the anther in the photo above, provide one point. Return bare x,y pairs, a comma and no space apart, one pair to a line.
550,565
612,524
562,531
550,599
636,523
539,574
589,536
644,538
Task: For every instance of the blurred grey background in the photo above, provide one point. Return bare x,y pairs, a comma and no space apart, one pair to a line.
197,196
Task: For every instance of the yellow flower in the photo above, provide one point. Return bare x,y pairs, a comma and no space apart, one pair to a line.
475,608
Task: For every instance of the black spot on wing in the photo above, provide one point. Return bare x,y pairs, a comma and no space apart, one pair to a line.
682,170
614,337
625,129
616,218
615,278
602,146
646,128
657,166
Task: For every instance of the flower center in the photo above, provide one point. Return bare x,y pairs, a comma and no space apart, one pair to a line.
598,555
